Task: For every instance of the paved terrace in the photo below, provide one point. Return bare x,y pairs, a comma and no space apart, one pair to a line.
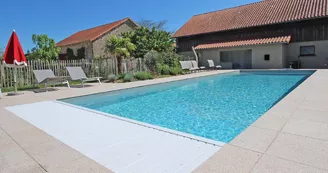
291,137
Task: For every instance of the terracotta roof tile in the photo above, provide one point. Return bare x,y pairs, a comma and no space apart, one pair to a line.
274,40
92,33
256,14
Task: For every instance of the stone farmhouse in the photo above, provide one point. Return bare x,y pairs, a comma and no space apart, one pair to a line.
93,40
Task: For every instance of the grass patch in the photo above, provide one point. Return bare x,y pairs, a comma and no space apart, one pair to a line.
120,79
37,86
143,76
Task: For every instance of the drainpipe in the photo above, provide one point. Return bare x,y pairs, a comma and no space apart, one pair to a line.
193,49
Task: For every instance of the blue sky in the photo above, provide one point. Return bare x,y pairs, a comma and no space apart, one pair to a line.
61,18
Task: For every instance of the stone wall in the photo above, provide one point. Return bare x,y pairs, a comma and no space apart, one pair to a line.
100,43
75,47
97,47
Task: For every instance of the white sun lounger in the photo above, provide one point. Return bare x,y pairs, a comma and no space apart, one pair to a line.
185,65
211,65
48,76
195,66
76,73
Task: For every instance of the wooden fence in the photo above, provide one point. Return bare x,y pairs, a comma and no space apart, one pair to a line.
92,68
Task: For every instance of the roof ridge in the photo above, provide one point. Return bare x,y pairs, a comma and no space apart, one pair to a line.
91,34
117,23
229,8
104,24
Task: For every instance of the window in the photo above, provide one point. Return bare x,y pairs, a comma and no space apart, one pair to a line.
267,57
307,51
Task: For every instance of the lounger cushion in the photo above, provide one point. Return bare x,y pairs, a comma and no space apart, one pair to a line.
43,76
76,73
186,65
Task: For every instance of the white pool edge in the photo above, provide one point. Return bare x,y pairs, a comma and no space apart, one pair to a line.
162,129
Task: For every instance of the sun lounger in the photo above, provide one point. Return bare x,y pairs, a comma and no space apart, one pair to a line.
211,65
76,73
195,66
186,65
48,76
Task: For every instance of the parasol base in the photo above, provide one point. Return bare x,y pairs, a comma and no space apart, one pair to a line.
14,94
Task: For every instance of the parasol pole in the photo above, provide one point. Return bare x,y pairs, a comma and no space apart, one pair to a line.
15,79
15,74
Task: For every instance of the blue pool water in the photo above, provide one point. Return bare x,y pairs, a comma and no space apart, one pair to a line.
216,107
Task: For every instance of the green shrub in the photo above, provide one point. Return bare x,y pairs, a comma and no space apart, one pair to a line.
120,76
152,58
128,77
175,71
171,59
143,76
111,78
165,69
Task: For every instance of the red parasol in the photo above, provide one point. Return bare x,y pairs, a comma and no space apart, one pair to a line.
14,56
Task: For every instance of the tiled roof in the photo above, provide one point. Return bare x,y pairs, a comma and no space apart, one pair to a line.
256,14
92,33
274,40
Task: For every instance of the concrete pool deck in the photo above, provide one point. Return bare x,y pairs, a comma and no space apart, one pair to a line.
291,137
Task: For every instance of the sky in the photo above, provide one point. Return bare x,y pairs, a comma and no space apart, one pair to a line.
61,18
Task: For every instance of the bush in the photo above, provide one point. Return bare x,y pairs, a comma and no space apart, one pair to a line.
128,77
171,59
165,69
143,76
175,71
120,76
111,78
152,58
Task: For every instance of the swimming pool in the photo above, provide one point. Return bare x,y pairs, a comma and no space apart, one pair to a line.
216,107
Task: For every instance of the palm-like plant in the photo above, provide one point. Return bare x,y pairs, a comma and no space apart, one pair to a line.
120,47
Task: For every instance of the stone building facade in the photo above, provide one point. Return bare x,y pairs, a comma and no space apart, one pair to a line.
94,39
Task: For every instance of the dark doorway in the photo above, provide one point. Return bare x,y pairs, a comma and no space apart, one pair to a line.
240,59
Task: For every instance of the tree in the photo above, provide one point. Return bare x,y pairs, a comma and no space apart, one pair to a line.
120,47
44,48
1,54
147,39
160,25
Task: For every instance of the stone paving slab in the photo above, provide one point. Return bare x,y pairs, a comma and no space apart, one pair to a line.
230,159
305,150
271,121
304,127
270,164
255,139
